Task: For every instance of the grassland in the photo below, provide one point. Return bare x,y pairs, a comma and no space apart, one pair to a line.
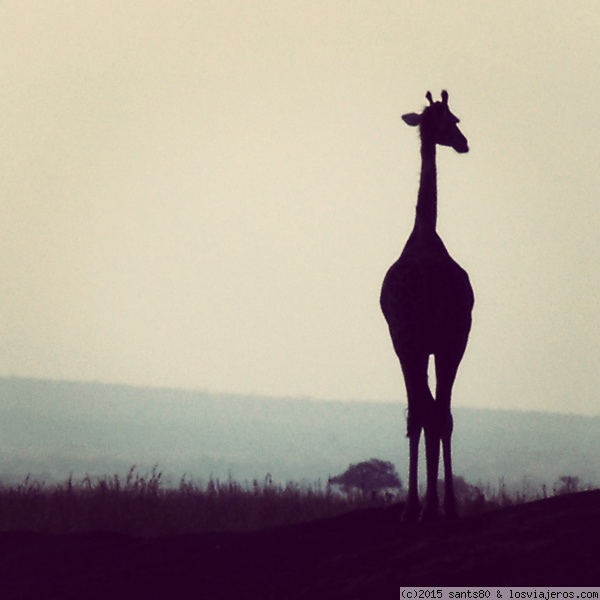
134,537
141,505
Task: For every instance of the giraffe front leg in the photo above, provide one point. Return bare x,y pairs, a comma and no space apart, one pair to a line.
446,367
449,496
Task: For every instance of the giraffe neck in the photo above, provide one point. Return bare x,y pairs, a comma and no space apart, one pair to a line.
426,213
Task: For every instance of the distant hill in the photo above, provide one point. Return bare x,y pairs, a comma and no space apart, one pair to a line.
52,428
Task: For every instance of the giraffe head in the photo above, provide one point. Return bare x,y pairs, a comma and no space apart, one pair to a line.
438,125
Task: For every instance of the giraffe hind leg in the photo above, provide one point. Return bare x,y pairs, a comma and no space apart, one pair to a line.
432,453
420,403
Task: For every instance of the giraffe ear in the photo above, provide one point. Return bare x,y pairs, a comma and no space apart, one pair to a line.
412,119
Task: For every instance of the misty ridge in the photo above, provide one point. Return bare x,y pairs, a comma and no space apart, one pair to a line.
53,429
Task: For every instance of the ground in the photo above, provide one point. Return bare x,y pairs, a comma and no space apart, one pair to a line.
364,554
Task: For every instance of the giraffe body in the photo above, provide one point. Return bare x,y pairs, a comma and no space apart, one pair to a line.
427,301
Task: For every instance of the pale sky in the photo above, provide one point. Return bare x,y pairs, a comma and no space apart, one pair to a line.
208,194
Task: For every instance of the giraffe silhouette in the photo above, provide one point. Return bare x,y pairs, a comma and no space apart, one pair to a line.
427,300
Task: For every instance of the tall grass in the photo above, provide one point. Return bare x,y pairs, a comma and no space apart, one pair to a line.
141,505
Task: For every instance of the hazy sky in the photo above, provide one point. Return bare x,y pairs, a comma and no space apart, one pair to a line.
208,194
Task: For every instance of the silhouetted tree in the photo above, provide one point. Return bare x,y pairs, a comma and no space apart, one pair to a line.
369,476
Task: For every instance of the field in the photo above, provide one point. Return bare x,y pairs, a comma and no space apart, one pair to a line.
140,505
136,538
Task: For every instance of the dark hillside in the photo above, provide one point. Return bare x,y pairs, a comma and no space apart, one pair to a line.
365,554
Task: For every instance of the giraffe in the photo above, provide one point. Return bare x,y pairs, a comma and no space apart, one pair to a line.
427,299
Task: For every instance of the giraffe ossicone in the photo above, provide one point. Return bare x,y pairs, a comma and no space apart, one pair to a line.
427,300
